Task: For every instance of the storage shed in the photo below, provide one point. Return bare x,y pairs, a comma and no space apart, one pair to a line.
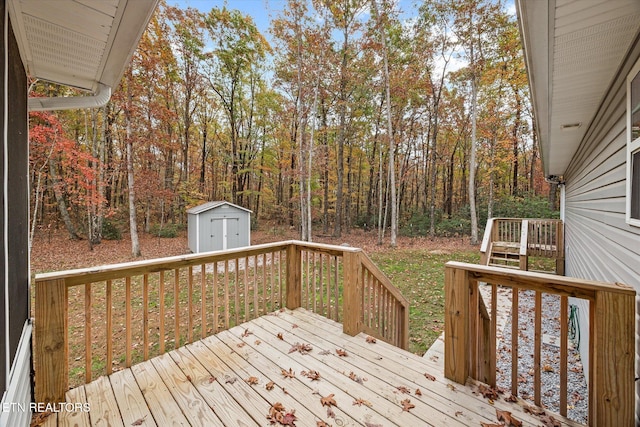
216,226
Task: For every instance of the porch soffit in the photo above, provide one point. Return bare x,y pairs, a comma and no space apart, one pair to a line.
573,50
79,43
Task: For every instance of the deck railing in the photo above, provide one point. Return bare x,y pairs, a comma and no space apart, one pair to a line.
471,331
527,237
92,321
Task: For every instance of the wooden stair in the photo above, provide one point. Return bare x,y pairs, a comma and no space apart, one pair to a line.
504,254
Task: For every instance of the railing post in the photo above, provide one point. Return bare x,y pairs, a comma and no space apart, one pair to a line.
524,245
612,360
294,276
51,347
352,293
457,339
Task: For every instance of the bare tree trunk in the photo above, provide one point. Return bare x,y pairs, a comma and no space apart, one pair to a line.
62,205
133,224
392,170
472,162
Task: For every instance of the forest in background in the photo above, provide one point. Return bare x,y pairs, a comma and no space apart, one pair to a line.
344,116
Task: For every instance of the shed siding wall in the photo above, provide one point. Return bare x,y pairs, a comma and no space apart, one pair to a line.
600,245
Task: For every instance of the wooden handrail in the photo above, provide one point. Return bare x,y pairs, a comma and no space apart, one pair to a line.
230,288
611,334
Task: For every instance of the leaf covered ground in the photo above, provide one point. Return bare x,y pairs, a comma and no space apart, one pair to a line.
415,266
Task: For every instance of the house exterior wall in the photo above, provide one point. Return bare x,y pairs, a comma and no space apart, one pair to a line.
15,360
600,245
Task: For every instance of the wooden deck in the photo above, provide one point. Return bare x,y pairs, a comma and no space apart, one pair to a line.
209,383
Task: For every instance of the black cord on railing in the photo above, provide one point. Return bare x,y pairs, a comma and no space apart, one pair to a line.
574,326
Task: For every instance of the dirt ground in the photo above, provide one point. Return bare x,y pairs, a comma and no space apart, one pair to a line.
54,251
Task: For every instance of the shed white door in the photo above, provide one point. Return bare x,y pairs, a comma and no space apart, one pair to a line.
225,233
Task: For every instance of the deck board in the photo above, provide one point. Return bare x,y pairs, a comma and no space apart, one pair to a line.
205,383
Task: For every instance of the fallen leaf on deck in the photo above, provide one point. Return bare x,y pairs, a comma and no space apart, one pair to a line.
488,392
258,342
355,378
280,337
270,385
322,424
139,421
242,344
418,392
252,380
491,425
509,419
278,414
549,421
458,413
511,398
361,402
533,410
403,389
312,375
371,340
328,400
330,413
230,380
300,348
294,326
429,376
340,352
288,374
407,405
246,333
451,387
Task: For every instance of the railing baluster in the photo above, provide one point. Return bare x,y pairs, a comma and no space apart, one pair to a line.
176,307
87,332
109,326
272,287
161,335
203,301
236,291
494,333
537,349
226,294
564,352
247,312
128,335
190,305
264,283
336,297
145,316
514,341
255,288
216,295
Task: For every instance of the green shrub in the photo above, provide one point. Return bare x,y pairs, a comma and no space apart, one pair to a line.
110,230
166,231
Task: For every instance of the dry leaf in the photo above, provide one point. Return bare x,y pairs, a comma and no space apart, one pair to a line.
511,398
355,378
418,392
270,385
258,342
300,348
371,340
509,419
533,410
451,387
294,326
361,402
330,413
312,375
407,405
280,337
491,425
340,352
242,344
429,376
288,374
139,421
252,380
322,424
328,400
488,392
547,368
246,333
458,413
403,389
549,421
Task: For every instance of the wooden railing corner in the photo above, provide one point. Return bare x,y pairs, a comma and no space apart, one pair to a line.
50,343
294,276
352,293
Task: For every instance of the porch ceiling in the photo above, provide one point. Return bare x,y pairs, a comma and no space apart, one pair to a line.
79,43
573,50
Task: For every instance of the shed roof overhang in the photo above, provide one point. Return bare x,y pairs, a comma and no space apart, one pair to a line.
85,44
573,50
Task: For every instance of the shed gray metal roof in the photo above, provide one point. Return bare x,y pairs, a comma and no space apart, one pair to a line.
212,205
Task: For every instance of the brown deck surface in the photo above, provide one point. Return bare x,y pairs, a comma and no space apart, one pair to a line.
206,383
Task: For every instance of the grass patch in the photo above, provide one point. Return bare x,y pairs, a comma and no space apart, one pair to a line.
419,275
